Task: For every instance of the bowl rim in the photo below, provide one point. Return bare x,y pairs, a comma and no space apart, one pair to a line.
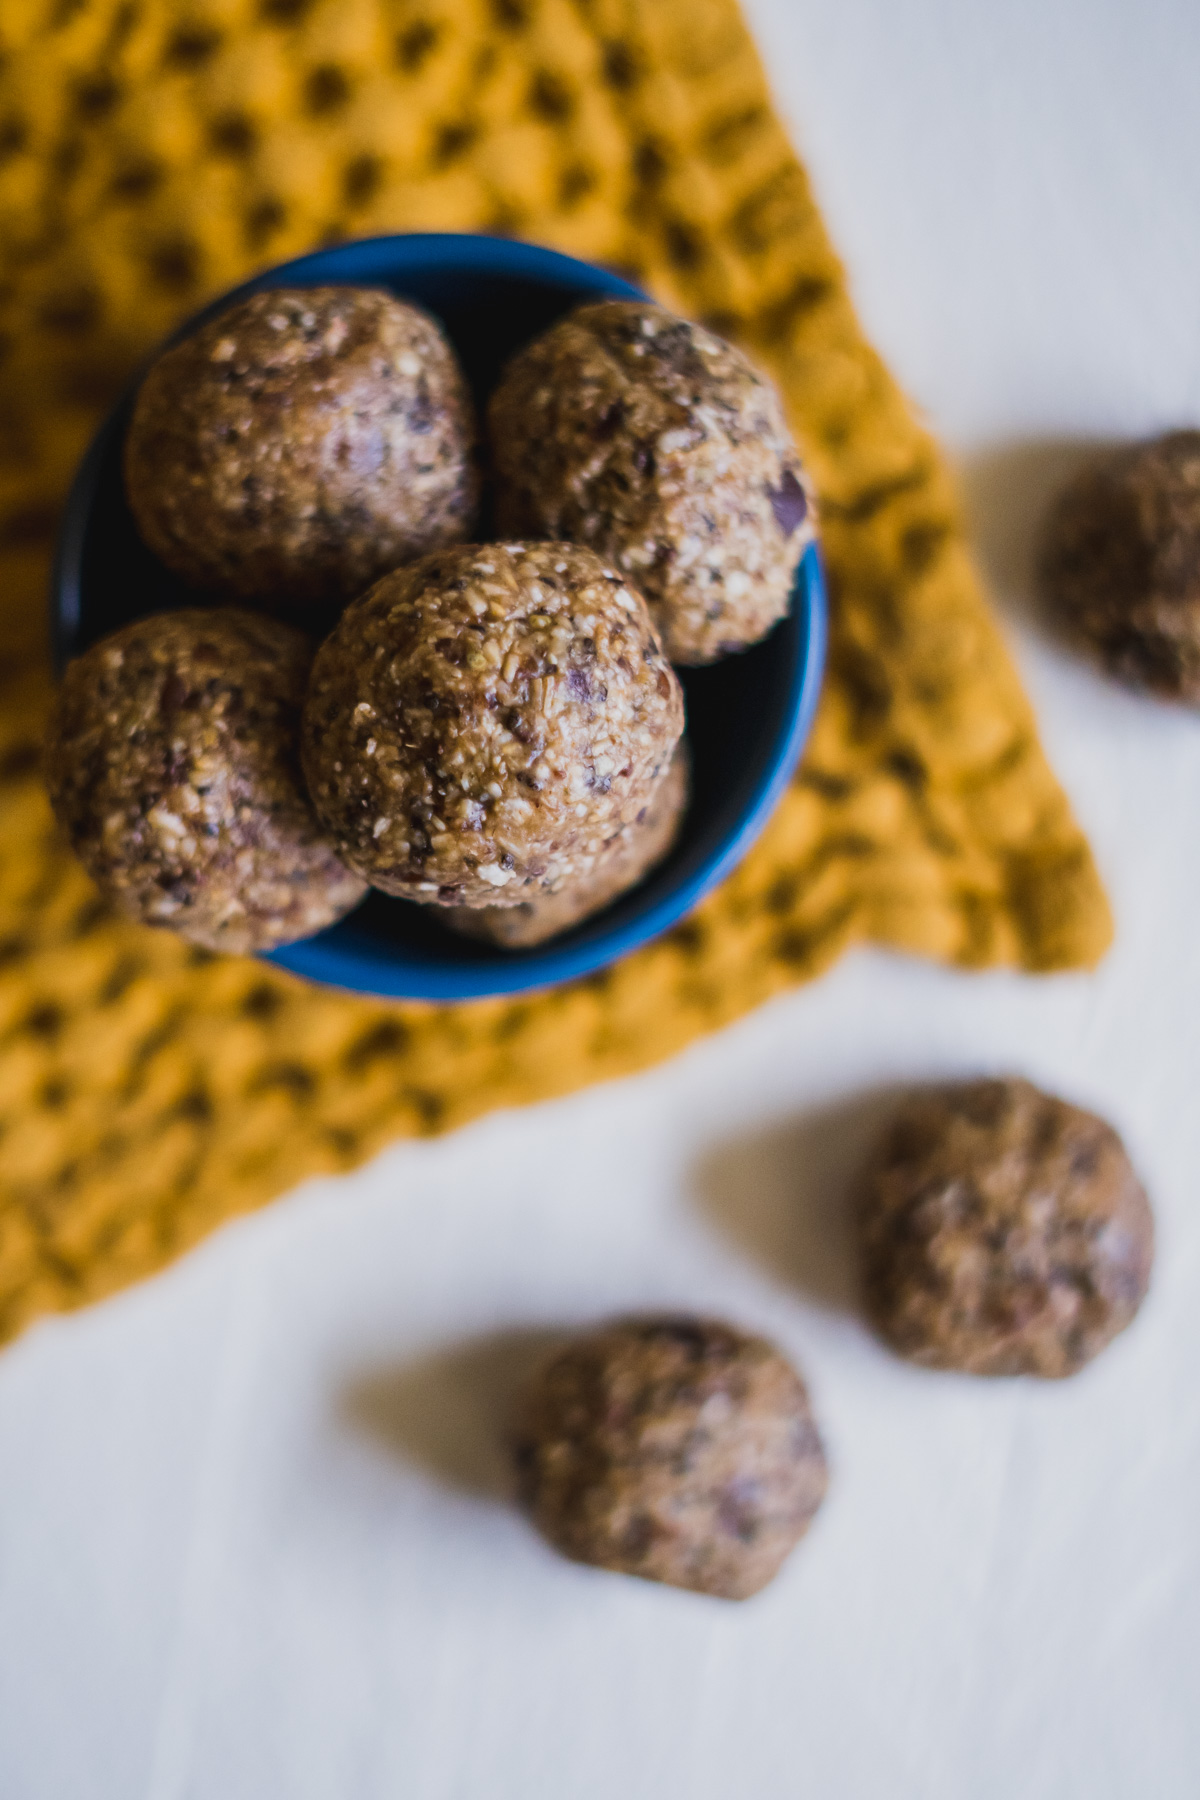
334,957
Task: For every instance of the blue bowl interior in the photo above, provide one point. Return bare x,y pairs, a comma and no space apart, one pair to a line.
748,716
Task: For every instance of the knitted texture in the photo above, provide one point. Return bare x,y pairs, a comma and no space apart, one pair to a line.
153,153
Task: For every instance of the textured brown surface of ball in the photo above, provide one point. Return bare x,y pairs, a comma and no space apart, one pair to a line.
1003,1232
639,847
673,1448
301,444
662,447
481,725
1120,563
172,762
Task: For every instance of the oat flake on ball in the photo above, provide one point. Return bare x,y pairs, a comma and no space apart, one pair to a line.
172,762
1002,1231
661,446
674,1448
482,724
300,444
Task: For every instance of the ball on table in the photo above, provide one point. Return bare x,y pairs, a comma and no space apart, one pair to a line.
300,444
674,1448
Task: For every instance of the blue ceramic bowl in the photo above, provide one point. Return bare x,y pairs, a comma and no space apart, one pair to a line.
748,717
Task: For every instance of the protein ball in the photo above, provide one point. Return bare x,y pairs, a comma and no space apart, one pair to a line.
482,724
637,848
172,764
663,448
1120,563
673,1448
301,444
1003,1232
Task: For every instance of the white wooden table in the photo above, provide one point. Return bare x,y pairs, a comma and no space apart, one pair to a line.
250,1545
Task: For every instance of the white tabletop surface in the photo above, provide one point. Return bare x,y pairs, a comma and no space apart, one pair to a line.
251,1544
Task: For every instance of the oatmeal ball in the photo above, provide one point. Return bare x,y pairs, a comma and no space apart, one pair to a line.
674,1448
1003,1232
172,764
637,848
1120,563
661,446
481,725
301,444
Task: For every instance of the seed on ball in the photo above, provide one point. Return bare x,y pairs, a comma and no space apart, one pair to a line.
662,447
301,444
1002,1232
674,1448
172,763
482,724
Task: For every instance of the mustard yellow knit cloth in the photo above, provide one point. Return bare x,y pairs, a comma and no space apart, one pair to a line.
154,152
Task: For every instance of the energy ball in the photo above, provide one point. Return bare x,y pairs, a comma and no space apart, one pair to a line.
1120,563
172,763
673,1448
1003,1232
663,448
482,724
301,444
637,848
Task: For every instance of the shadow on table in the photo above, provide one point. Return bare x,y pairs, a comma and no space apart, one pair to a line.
1007,491
784,1194
448,1413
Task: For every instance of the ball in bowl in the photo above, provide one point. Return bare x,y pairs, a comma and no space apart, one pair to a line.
662,447
297,446
172,763
482,723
